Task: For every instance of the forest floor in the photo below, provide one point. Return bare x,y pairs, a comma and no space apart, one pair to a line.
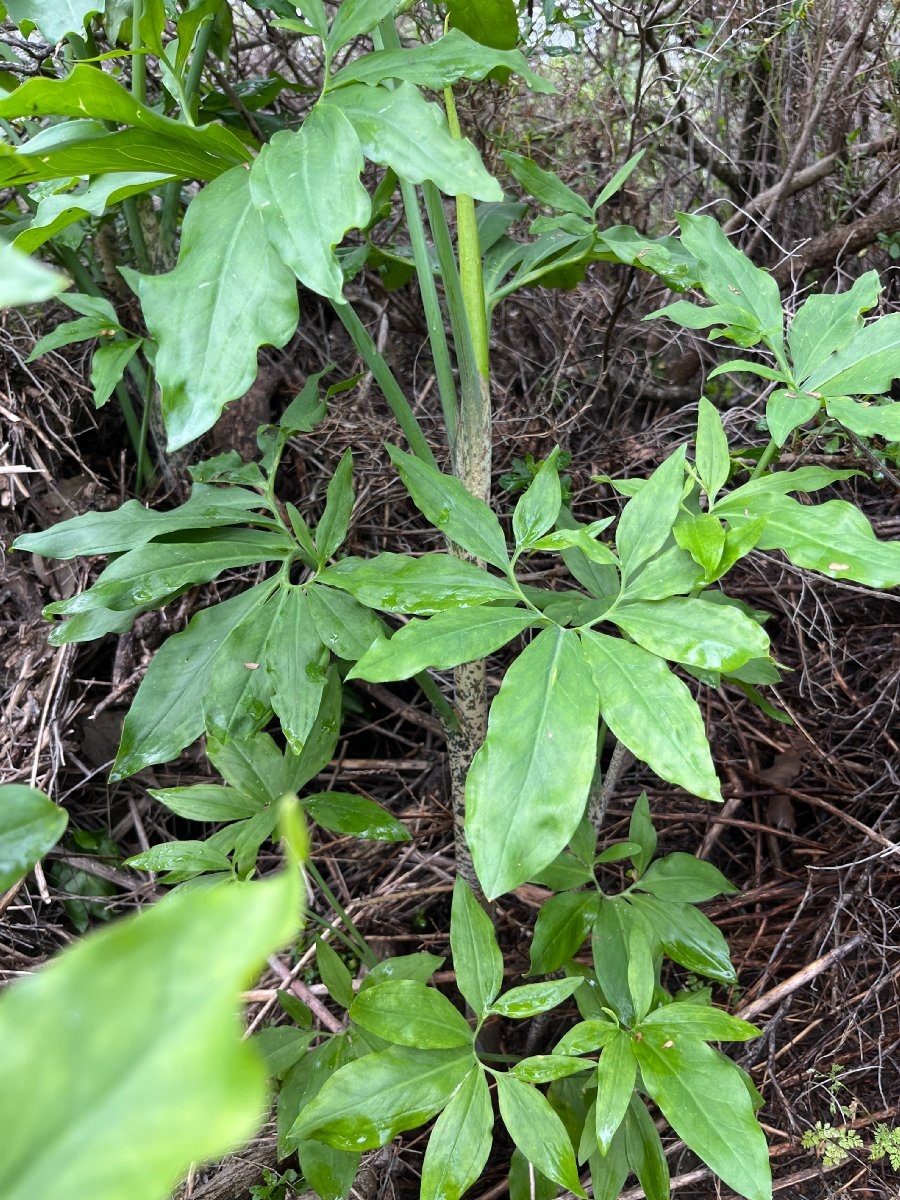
809,831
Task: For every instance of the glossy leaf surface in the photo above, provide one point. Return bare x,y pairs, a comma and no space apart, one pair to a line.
460,1142
408,1013
425,585
30,825
635,687
694,631
528,784
477,960
538,1132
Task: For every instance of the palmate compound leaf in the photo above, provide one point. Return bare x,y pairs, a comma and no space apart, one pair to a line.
230,293
652,713
528,784
123,1060
167,714
30,824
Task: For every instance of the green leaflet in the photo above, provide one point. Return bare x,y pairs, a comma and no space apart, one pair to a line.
686,935
408,1013
533,998
866,365
787,411
368,1102
402,130
210,322
616,1074
546,186
538,506
295,663
30,825
343,812
439,64
699,1020
207,802
477,960
704,1099
450,507
491,22
355,17
684,878
133,525
54,19
730,280
538,1132
648,517
151,997
834,538
147,575
239,702
24,281
166,713
430,584
564,921
825,324
460,1141
635,687
182,860
344,625
644,1151
306,188
868,420
444,640
694,631
713,460
528,784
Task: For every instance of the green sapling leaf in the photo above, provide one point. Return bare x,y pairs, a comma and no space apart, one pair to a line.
306,189
356,17
538,506
868,420
562,925
866,365
23,280
182,860
648,517
444,640
334,974
694,631
527,787
367,1103
295,664
787,411
545,186
644,1151
544,1068
586,1037
641,971
477,960
533,998
703,537
491,22
430,584
447,504
616,1075
703,1098
207,802
166,714
460,1141
685,878
635,686
825,324
712,458
538,1132
641,830
701,1021
329,1172
400,129
332,528
687,936
30,825
343,812
408,1013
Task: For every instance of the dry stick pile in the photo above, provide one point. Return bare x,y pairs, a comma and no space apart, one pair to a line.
809,831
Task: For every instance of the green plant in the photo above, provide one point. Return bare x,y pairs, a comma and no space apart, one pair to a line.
832,1144
603,655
